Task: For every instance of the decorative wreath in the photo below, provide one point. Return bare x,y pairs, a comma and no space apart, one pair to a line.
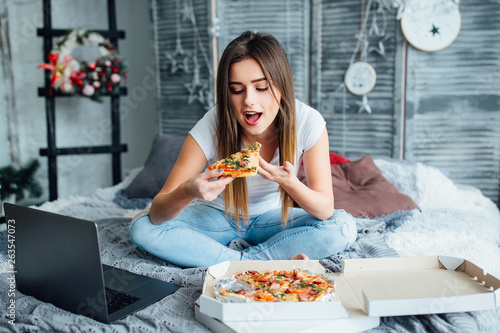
89,79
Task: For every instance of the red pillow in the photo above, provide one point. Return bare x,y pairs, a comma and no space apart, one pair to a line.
336,159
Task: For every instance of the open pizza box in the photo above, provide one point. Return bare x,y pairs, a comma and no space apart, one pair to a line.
365,290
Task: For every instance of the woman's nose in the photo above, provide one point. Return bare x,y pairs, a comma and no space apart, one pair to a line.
249,97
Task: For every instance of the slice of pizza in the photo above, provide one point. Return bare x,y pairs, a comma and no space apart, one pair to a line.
244,163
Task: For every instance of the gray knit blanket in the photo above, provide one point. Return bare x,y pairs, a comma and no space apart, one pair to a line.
400,233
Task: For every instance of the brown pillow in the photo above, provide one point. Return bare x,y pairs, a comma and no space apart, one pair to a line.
361,190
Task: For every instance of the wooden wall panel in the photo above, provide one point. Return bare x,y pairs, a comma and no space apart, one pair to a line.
183,63
353,132
287,20
453,102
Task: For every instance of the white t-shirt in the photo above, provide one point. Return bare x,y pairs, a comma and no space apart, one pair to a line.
263,195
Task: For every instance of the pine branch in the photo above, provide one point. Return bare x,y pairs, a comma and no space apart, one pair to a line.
16,182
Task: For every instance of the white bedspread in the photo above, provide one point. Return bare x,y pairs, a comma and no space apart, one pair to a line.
454,220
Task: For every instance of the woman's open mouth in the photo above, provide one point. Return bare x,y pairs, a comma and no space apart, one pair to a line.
252,118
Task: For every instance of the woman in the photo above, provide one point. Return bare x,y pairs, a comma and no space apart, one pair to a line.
196,214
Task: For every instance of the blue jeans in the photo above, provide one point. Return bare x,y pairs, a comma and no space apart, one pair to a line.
198,237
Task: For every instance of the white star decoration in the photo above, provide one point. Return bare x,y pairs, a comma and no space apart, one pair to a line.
197,89
363,105
380,49
178,59
186,12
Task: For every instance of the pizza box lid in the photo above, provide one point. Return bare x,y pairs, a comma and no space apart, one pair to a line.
418,285
374,287
265,311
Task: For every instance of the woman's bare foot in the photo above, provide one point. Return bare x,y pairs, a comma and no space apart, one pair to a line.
138,214
300,256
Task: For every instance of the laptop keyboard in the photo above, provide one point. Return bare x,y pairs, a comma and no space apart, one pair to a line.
118,300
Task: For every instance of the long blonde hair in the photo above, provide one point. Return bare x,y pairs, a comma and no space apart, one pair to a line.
269,54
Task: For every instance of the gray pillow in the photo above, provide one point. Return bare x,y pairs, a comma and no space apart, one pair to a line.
160,162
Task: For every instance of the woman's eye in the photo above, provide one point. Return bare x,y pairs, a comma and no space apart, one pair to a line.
236,92
262,89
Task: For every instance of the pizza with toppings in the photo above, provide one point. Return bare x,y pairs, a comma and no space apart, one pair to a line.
281,286
244,163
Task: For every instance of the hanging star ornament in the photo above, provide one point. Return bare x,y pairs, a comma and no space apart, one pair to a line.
186,12
363,105
178,59
197,89
380,48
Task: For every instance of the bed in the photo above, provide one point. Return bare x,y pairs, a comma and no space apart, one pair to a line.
402,209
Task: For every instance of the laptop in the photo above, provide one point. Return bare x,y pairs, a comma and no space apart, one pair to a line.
57,260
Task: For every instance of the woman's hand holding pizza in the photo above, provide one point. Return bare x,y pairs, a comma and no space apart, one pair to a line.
201,186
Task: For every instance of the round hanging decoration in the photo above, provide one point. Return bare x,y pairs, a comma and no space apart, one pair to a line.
431,25
360,78
92,79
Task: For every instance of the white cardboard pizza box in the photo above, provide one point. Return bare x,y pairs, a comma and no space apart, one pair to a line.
265,311
346,325
367,290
